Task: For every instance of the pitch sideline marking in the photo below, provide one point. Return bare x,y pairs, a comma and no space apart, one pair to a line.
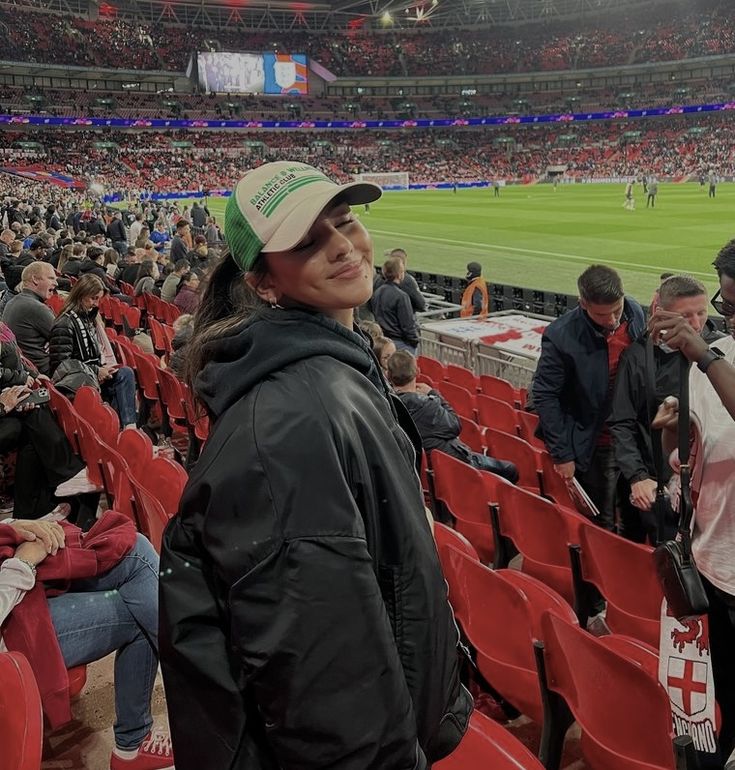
572,257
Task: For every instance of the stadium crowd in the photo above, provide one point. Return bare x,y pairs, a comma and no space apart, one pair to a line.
137,105
674,147
703,31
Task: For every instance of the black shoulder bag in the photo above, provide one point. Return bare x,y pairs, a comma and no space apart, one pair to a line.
675,566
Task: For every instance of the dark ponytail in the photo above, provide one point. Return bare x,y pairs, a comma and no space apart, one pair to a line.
226,302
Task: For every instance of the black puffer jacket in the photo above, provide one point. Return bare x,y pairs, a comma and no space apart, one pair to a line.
67,342
304,617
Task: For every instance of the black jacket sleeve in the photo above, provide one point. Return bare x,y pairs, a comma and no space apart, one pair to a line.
61,343
11,368
628,409
444,421
407,320
548,385
411,287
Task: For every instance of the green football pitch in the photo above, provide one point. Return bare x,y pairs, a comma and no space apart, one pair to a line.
534,237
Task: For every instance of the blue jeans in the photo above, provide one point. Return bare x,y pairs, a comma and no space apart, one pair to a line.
502,467
401,345
119,390
117,612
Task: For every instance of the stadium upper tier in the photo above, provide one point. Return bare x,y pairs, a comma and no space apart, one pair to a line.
67,103
169,161
612,40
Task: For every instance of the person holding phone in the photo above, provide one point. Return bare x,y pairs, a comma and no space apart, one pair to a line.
78,333
45,463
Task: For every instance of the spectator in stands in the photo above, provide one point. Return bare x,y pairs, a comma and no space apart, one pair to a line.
94,263
435,420
52,218
73,263
212,233
131,270
187,297
111,257
179,246
474,297
135,229
383,349
183,328
199,215
573,384
78,333
7,236
147,278
407,284
200,255
171,283
276,326
36,251
630,417
29,318
115,609
160,236
142,240
392,308
372,331
117,234
712,405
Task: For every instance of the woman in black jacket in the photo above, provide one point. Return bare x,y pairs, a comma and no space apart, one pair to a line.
78,333
304,617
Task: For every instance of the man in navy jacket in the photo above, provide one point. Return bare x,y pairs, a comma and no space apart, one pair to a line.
572,388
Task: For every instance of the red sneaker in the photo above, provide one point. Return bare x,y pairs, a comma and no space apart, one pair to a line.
155,753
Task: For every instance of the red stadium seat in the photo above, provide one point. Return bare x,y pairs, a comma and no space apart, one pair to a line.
158,337
489,746
625,575
496,414
77,680
459,375
131,320
504,446
65,416
149,513
472,435
622,710
136,449
431,368
21,720
542,533
89,406
553,485
527,423
466,493
507,659
55,302
452,568
460,399
496,387
127,289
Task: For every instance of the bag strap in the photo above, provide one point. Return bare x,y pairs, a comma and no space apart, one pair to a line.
686,508
652,402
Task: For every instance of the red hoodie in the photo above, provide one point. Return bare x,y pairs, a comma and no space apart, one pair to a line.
29,630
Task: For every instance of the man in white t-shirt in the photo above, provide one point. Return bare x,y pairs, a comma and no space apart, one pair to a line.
712,406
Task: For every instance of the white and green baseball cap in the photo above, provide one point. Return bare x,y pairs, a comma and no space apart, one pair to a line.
273,207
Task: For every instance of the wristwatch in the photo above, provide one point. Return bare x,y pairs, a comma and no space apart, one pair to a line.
30,566
708,358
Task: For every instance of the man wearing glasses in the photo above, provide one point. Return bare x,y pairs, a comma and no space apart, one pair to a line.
712,407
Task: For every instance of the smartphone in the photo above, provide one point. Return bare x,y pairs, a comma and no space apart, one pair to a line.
39,396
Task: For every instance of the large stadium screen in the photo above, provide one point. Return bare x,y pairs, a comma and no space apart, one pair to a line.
250,73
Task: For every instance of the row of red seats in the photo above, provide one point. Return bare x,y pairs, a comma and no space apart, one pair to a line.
529,646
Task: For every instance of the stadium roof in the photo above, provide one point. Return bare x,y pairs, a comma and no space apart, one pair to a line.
286,15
